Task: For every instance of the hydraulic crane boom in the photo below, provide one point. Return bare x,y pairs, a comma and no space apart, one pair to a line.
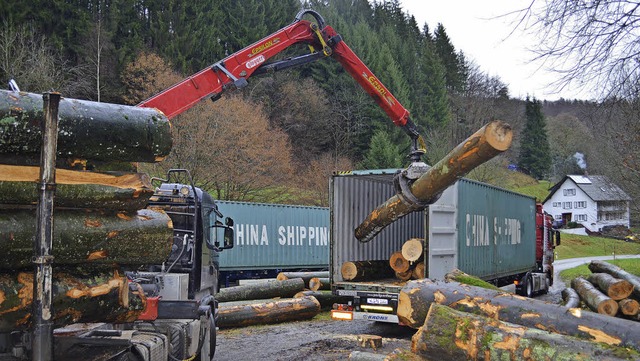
252,60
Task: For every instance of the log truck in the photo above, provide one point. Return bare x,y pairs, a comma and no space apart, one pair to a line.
178,320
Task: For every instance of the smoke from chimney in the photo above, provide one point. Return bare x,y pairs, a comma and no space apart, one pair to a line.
580,160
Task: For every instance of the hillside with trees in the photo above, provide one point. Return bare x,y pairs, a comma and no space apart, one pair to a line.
278,139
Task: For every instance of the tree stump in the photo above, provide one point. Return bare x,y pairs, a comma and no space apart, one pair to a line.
372,341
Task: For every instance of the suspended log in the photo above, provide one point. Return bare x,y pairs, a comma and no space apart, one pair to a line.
592,297
142,237
87,130
615,271
570,297
416,297
404,276
316,284
398,263
284,310
454,335
629,307
418,271
366,270
76,189
286,288
77,297
413,249
306,276
326,298
615,288
491,140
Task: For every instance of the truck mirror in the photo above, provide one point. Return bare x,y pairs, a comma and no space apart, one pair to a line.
228,234
557,234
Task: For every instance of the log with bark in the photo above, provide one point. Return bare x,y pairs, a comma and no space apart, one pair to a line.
398,263
316,284
418,271
326,298
142,237
615,288
570,297
87,130
491,140
416,297
306,276
78,296
277,311
76,189
629,307
458,276
286,288
592,297
615,271
453,335
366,270
413,250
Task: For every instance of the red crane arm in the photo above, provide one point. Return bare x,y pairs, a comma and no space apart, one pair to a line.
236,68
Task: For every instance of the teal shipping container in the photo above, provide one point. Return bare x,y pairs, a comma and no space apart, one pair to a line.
275,237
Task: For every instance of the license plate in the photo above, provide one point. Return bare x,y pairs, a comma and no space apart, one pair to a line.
377,301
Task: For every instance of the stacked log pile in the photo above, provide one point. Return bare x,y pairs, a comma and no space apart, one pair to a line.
404,264
608,290
100,220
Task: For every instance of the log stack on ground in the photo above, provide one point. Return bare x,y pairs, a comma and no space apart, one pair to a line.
448,334
417,296
592,297
615,271
284,289
269,312
366,270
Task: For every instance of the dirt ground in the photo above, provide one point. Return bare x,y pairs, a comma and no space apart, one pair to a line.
319,339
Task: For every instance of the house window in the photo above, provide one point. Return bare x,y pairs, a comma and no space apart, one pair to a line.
557,204
581,217
569,192
581,204
566,205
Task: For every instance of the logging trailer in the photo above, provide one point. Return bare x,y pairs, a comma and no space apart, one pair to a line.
167,307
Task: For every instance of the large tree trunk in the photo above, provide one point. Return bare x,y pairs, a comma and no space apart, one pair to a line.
286,288
366,270
454,335
615,271
143,237
326,298
77,297
570,297
87,130
491,140
284,310
593,298
76,189
417,296
615,288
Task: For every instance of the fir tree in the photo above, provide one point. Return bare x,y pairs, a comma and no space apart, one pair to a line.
535,153
383,153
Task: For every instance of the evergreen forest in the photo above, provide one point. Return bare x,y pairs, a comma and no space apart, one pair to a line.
279,138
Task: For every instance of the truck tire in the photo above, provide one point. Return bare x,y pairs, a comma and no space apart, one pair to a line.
212,342
528,287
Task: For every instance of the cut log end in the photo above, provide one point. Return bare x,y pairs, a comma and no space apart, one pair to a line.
349,271
399,263
499,135
629,307
608,307
412,249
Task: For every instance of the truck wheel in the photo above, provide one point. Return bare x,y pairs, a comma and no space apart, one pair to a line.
208,354
528,287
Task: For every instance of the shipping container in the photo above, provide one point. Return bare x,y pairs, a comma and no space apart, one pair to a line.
271,238
483,230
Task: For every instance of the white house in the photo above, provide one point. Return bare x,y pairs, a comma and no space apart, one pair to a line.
592,201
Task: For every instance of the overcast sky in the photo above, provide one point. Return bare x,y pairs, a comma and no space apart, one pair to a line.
473,28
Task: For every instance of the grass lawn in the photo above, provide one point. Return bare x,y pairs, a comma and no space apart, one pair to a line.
630,265
572,246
